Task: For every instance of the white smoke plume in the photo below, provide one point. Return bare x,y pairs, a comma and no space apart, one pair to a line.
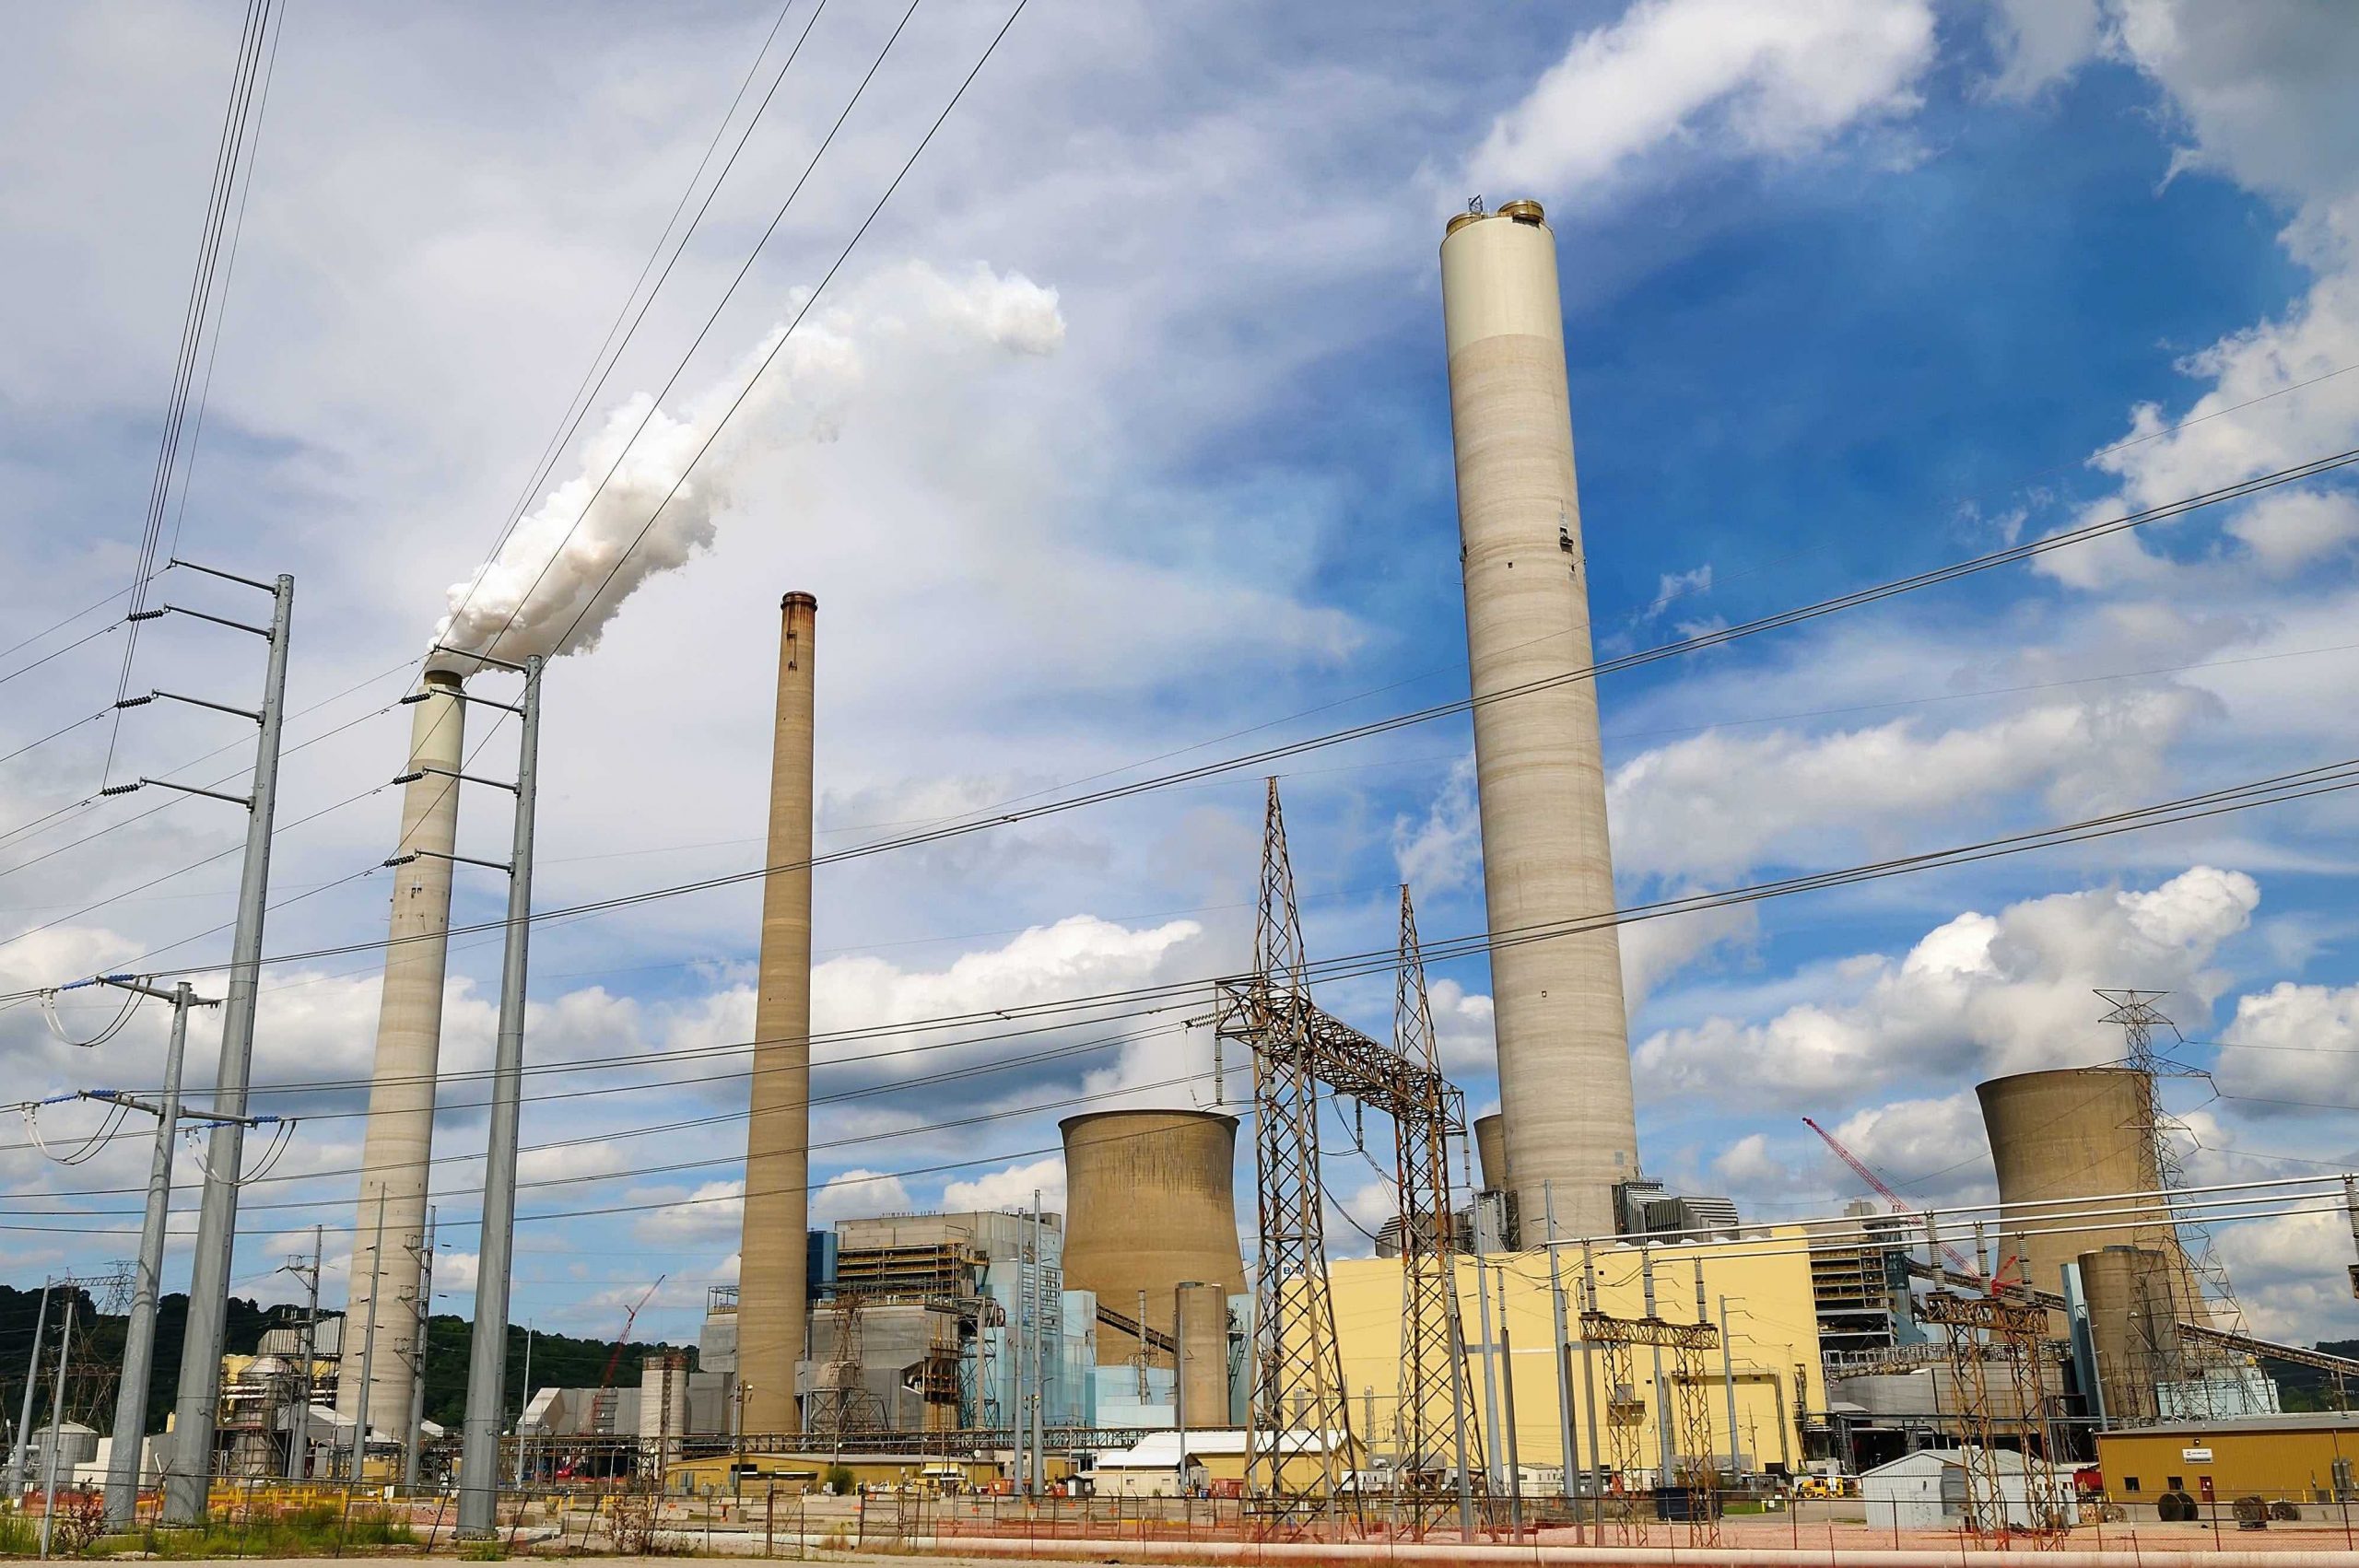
555,584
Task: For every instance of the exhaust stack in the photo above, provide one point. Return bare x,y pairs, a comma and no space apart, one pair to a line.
1563,1037
772,1270
399,1143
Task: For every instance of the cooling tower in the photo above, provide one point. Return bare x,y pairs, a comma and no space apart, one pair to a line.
399,1141
771,1258
2133,1326
1563,1038
1149,1204
1491,1151
1203,1333
2061,1140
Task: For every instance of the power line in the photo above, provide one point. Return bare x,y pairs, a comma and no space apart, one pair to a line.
2277,789
241,119
1271,754
594,379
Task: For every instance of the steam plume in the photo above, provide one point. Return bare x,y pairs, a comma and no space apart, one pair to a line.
549,591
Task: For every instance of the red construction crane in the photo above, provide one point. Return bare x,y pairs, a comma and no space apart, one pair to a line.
601,1409
1899,1206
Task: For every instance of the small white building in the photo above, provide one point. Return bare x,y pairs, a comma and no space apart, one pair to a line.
1926,1491
1151,1468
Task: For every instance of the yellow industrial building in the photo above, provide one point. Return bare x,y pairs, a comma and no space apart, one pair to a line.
1773,1325
2310,1457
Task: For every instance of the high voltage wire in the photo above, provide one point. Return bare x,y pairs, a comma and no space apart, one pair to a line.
1953,572
813,298
594,379
776,219
1145,1001
240,120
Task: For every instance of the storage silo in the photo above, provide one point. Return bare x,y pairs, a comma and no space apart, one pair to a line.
1203,1333
2133,1326
1149,1205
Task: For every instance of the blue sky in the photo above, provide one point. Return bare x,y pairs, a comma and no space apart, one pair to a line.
1125,429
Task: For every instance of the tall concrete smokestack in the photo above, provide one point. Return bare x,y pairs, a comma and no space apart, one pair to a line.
400,1138
1562,1039
771,1281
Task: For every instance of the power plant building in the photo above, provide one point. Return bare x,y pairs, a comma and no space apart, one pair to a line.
1570,1128
1775,1360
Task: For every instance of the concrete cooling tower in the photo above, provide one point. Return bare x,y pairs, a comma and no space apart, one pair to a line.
1149,1207
2062,1142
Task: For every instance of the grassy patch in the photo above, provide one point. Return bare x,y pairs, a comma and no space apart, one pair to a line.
309,1532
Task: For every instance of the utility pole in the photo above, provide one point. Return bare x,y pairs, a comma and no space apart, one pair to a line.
139,1333
1494,1451
487,1349
416,1439
1564,1351
22,1449
367,1357
524,1403
1589,1387
1179,1380
195,1400
1662,1389
1040,1353
1506,1400
1728,1387
56,1424
299,1436
1018,1348
2351,1204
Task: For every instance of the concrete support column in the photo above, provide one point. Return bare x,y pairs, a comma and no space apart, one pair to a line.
771,1272
1563,1038
400,1139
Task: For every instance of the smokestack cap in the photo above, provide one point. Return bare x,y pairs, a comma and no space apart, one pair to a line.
1524,212
799,598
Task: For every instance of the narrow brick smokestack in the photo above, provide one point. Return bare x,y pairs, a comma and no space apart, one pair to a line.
771,1269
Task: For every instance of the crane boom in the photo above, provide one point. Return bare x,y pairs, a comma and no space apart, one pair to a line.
1899,1205
601,1407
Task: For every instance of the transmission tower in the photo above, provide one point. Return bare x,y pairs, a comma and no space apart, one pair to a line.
1298,1392
1996,1330
1438,1455
2196,1272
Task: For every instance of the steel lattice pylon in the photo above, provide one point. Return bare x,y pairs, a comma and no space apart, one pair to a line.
1299,1400
1439,1454
2015,1331
2170,1358
1687,1342
1625,1413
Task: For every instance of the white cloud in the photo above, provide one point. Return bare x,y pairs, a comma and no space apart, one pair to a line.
2291,529
1980,994
1933,1147
1774,78
857,1193
1444,851
2262,92
2297,1045
1697,807
1011,1188
714,1211
2039,42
